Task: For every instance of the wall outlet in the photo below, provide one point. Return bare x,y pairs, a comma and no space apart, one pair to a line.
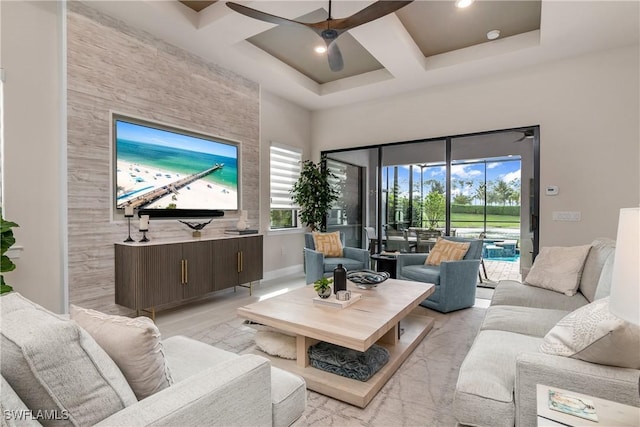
566,216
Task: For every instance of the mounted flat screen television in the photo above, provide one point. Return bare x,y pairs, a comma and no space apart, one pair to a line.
168,172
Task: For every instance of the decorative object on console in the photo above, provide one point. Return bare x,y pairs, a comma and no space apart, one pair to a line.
128,213
196,226
323,287
366,279
625,282
144,227
241,232
242,225
339,279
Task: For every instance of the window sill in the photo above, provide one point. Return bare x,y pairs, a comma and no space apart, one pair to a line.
281,231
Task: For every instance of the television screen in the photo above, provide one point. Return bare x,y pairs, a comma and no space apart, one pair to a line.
164,170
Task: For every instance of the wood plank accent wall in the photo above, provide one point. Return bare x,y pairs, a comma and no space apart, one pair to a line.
116,68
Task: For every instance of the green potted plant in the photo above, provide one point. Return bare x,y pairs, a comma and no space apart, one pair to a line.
323,287
7,240
314,194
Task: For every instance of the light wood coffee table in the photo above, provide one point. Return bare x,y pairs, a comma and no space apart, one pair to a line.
373,319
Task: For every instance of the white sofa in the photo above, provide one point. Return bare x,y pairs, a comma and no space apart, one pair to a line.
52,368
497,380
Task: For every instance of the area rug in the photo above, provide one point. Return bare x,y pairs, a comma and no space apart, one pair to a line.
420,393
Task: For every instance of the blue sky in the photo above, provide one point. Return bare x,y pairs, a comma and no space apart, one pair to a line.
496,170
148,135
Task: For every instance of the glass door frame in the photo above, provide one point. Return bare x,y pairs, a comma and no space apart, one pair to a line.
534,191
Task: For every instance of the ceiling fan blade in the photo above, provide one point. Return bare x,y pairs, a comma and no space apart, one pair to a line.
262,16
368,14
334,56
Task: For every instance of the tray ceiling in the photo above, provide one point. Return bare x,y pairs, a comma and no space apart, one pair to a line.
425,44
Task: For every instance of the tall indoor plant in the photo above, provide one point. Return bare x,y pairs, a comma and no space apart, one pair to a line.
314,194
7,240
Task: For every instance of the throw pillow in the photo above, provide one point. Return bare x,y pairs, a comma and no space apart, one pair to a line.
328,243
593,334
134,344
558,268
446,250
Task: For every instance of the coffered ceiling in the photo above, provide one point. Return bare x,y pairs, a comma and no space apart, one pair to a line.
424,44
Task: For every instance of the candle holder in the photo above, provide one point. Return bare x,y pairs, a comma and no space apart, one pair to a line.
128,213
144,236
129,239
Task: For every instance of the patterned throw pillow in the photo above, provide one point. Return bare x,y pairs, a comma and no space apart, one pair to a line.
446,250
558,268
591,333
134,344
328,243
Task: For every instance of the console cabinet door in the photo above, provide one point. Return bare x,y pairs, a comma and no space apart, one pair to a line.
227,258
158,275
198,269
251,259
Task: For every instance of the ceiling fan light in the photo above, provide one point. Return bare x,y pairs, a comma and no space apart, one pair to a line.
493,34
461,4
320,49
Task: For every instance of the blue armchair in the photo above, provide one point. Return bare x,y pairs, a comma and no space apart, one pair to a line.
455,281
316,265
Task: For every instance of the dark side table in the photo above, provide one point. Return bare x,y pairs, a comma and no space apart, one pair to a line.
385,263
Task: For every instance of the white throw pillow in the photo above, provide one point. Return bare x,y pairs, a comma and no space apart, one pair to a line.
558,268
133,344
591,333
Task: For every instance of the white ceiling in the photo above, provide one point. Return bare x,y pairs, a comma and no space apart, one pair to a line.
219,35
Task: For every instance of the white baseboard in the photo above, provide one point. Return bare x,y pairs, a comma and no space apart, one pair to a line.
287,271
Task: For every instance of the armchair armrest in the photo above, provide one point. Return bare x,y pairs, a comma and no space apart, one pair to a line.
359,254
606,382
236,392
411,259
313,265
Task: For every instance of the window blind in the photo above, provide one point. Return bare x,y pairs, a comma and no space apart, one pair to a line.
285,171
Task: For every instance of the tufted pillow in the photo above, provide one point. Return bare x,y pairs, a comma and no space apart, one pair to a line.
328,243
558,268
134,344
591,333
54,365
446,250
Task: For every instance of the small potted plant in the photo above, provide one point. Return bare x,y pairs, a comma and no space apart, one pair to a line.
323,287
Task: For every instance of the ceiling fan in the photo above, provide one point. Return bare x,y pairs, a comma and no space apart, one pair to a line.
330,29
526,134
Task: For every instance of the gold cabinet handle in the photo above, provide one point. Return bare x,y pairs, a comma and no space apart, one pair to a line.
186,271
239,262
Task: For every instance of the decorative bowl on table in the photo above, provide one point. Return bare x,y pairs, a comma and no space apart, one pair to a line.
367,279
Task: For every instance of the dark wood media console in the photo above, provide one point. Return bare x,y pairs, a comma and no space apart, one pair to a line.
153,274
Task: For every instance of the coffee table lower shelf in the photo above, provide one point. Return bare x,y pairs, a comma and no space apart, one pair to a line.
416,326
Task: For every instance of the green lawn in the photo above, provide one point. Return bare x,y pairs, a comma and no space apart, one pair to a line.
477,220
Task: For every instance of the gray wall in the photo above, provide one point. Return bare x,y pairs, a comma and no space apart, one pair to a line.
114,68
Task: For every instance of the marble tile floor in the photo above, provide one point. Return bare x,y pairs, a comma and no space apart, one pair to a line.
419,394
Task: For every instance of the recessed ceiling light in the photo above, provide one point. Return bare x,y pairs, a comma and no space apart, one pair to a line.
320,49
463,3
493,34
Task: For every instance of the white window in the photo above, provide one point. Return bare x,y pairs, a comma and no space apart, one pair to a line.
285,171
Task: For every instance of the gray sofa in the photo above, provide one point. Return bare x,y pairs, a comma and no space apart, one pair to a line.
455,281
498,377
52,368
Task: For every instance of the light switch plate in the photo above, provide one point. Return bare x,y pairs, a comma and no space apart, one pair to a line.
566,216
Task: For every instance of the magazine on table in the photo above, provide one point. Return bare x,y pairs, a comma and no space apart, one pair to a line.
572,405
